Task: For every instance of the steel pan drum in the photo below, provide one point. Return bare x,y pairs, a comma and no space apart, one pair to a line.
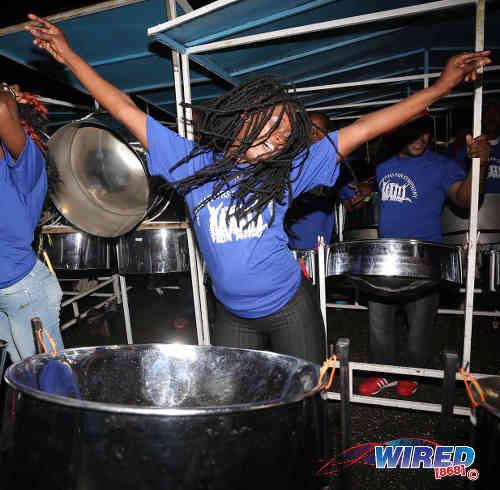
70,249
104,185
154,248
160,417
455,222
486,433
395,266
362,224
490,266
308,258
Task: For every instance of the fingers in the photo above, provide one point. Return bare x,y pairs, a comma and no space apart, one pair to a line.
468,139
39,33
44,22
472,56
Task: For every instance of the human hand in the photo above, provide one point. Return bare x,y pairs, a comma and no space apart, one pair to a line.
49,37
478,147
462,67
364,189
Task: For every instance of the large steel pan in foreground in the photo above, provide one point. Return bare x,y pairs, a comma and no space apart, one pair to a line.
486,434
394,266
160,417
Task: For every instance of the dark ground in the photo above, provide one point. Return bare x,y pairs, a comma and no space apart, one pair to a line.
152,317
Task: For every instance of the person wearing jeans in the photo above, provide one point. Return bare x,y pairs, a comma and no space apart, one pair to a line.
412,188
27,289
38,294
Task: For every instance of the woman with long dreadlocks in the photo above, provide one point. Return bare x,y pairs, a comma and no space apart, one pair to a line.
27,288
252,159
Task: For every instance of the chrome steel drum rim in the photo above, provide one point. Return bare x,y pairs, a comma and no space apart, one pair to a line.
104,185
67,354
396,258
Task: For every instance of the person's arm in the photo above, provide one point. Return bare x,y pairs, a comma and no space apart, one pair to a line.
119,104
462,66
365,189
11,132
460,192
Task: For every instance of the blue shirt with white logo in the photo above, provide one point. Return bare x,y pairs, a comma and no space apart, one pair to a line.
253,271
492,184
412,191
23,185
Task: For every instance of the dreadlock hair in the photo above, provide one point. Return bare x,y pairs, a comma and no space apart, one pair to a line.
33,118
228,127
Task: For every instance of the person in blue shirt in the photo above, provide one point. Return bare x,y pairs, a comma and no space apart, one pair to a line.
413,186
255,157
312,213
492,131
492,127
27,288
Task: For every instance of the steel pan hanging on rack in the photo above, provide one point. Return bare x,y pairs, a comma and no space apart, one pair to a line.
307,259
104,186
395,266
361,223
70,249
455,222
154,248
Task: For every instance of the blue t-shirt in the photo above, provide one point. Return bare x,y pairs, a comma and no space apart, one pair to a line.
315,217
492,184
412,192
23,185
253,271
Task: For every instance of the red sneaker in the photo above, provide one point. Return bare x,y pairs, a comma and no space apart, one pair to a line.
374,385
406,388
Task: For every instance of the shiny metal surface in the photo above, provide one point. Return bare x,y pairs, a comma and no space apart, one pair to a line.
154,248
168,379
104,186
362,224
489,266
309,259
455,222
70,249
161,417
395,266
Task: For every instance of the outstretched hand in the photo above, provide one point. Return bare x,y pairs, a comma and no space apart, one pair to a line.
49,37
462,67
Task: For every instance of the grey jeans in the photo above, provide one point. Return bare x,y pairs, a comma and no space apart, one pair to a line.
420,313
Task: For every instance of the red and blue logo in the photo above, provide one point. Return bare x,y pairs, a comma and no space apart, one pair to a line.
409,453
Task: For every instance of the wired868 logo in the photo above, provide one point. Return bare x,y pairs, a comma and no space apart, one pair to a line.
408,454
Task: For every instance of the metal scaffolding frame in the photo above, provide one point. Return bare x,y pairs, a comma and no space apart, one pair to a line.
119,295
186,52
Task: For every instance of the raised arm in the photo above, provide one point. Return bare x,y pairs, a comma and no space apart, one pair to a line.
11,131
462,66
119,104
